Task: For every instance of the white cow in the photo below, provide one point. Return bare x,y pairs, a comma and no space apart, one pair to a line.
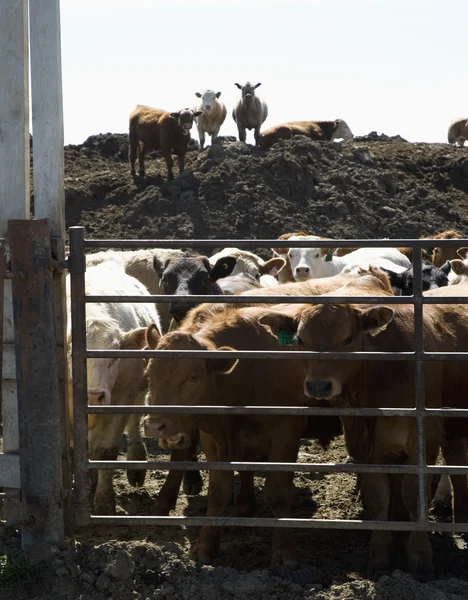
114,326
264,272
312,263
145,266
214,115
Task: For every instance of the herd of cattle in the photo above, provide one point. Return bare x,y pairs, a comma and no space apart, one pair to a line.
157,129
323,327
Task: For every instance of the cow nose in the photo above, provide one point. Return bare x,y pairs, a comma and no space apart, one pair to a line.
154,428
302,270
317,388
178,311
96,397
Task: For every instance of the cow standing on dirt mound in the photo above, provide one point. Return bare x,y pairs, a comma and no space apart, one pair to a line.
214,115
156,129
458,131
250,112
316,130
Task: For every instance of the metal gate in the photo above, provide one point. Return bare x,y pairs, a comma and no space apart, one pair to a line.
77,268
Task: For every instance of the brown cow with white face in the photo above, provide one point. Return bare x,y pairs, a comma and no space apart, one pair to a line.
156,129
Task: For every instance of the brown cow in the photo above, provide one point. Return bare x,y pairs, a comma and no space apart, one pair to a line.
373,384
316,130
232,438
156,129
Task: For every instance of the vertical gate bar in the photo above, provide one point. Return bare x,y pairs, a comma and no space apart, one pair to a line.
77,268
2,292
419,385
37,377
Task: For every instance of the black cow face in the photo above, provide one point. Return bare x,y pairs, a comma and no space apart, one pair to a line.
432,277
191,275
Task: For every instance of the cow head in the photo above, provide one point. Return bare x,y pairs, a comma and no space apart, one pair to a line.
308,263
248,91
342,130
432,278
103,372
184,381
191,275
185,118
329,327
208,97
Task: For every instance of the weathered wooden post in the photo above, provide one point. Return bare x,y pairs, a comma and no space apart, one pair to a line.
14,203
49,195
38,388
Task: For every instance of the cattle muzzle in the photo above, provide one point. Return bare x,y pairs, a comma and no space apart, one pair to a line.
180,441
160,427
178,310
318,388
98,397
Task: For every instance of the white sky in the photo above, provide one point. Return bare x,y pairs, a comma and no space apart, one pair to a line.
394,66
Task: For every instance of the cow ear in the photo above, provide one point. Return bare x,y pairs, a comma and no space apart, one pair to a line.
375,319
272,266
446,267
160,265
152,335
279,324
197,94
218,94
396,279
458,266
237,85
223,267
256,86
223,366
462,253
197,113
175,115
135,339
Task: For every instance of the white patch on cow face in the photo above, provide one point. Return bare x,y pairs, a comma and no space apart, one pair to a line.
208,98
102,372
343,131
305,263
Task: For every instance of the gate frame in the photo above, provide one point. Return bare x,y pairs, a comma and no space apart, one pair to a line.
78,245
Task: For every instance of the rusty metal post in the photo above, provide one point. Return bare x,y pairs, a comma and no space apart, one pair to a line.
37,374
77,268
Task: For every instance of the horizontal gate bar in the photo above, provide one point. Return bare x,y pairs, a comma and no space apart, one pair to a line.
317,299
165,409
277,354
280,523
188,465
208,244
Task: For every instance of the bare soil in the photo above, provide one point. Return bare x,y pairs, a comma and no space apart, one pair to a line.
373,186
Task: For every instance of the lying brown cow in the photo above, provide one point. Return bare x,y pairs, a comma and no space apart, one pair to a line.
373,384
315,130
236,438
156,129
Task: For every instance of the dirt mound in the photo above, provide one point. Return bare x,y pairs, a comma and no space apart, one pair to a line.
372,186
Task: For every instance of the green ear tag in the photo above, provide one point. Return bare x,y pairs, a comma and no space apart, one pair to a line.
329,257
285,337
429,251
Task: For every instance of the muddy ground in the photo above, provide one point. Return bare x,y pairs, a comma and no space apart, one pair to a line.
373,186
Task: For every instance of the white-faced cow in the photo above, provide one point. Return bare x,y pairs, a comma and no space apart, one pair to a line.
212,117
250,112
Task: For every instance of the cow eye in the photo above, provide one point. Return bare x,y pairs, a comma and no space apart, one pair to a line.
299,340
112,362
193,377
348,341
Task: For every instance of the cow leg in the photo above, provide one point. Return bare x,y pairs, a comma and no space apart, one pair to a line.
136,451
104,445
169,492
219,494
169,164
455,452
193,482
141,159
279,487
376,493
181,160
257,136
246,504
242,134
201,136
215,134
133,155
